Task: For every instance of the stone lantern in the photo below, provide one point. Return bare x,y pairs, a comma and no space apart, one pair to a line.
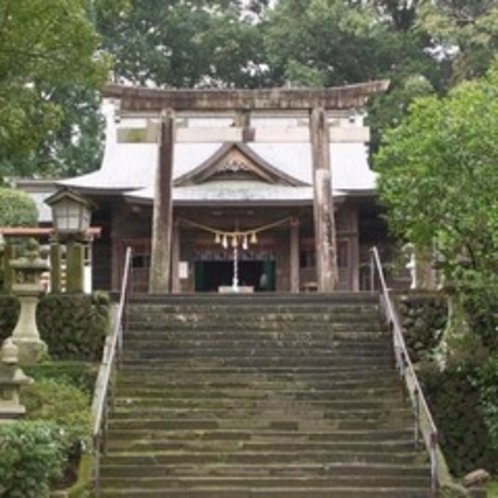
71,218
12,378
27,272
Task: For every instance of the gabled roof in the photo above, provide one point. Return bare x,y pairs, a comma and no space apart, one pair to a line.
234,161
199,167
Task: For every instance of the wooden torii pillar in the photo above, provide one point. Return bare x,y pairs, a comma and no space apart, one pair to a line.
165,103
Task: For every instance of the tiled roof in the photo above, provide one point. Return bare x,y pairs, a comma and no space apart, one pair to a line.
130,167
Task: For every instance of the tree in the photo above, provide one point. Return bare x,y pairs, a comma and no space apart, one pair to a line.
17,209
45,46
439,182
464,32
202,43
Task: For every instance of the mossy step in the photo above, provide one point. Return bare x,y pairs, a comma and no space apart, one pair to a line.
137,384
306,492
156,444
253,326
342,392
209,348
267,482
270,361
255,316
206,376
233,404
210,368
336,470
324,457
381,343
378,436
288,424
296,413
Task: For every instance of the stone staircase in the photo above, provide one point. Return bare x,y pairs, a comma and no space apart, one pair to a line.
238,396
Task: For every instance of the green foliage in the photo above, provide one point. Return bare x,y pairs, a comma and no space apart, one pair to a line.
17,209
184,44
74,326
455,402
32,455
439,183
60,402
487,381
9,314
79,374
46,45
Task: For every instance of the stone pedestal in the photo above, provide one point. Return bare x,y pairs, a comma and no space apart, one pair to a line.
27,286
12,378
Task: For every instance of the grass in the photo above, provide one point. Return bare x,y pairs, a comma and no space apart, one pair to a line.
492,489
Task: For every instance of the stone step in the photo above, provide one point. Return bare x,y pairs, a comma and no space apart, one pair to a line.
253,327
298,393
242,492
260,298
208,368
130,360
378,436
196,445
351,343
287,424
170,458
284,335
140,382
255,315
314,353
233,404
165,377
193,482
132,412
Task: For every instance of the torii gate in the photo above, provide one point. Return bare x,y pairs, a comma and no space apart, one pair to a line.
165,103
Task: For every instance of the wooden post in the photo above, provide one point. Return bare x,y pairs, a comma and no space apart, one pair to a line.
55,266
175,260
162,217
294,256
323,204
75,260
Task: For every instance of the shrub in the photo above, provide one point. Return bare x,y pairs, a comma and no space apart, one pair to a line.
9,313
32,455
74,326
488,387
79,374
17,209
62,403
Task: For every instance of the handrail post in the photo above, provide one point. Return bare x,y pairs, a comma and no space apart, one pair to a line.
372,272
434,469
416,409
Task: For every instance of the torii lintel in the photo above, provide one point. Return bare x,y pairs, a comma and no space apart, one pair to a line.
141,99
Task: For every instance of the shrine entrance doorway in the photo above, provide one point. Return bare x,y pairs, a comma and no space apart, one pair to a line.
211,276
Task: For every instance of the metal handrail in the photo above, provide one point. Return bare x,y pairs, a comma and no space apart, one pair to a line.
110,358
424,423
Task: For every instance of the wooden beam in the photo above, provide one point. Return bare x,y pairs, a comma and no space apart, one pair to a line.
323,204
294,256
162,215
149,134
142,99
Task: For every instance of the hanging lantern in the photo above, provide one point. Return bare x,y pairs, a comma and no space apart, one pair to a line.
234,241
217,238
224,242
254,238
245,244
